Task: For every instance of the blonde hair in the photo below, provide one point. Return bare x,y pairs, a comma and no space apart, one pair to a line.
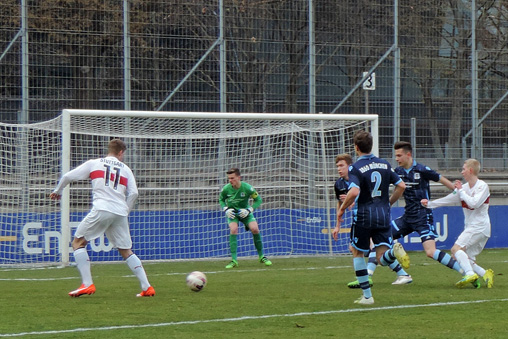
474,165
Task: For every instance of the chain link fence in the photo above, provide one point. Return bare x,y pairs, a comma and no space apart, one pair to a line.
436,70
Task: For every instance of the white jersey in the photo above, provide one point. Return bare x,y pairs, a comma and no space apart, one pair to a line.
475,203
113,184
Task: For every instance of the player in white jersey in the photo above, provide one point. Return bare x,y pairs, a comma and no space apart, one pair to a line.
114,192
474,196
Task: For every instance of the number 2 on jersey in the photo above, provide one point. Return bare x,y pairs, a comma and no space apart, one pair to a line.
108,176
376,178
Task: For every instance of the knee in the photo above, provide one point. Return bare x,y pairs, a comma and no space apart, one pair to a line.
78,243
125,253
233,228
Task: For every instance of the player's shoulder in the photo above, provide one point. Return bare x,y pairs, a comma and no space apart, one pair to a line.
423,168
226,187
481,184
247,186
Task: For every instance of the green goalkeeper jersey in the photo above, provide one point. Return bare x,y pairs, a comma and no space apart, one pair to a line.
239,198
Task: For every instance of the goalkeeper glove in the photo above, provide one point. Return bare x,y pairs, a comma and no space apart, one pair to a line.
230,212
244,213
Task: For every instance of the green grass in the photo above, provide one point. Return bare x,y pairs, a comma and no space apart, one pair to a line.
294,298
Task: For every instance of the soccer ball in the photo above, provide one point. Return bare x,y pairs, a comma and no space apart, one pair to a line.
196,281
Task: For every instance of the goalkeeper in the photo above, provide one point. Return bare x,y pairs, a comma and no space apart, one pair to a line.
234,200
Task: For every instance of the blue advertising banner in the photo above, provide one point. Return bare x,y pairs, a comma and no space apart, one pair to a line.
161,235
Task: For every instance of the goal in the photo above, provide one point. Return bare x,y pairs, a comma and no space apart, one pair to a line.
180,161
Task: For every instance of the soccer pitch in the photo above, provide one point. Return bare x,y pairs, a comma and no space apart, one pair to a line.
303,297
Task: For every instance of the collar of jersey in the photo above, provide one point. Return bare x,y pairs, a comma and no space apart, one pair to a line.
410,168
367,156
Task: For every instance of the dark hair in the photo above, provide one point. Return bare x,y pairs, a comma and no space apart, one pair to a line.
363,140
406,146
115,146
344,156
234,170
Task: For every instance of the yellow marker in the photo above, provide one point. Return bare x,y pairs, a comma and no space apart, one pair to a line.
8,238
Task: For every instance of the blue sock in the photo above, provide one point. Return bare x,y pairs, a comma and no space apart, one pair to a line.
447,260
395,266
361,274
388,258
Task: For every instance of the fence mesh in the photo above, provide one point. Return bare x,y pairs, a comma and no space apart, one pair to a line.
166,55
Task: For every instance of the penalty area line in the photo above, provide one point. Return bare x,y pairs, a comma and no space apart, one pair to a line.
287,315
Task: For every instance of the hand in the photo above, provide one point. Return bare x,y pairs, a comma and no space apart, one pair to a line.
458,184
244,213
335,232
230,212
342,197
424,202
55,196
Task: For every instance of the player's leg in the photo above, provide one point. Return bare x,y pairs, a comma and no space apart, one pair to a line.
473,250
467,246
399,228
91,227
233,244
119,235
135,265
360,244
429,245
253,226
83,264
371,267
469,275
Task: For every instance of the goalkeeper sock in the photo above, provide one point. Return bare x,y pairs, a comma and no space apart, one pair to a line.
233,246
447,260
83,263
137,268
259,244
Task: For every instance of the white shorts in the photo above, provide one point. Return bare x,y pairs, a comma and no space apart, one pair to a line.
473,243
97,223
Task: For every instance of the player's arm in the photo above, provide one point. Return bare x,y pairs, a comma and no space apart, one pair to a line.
451,199
446,182
400,187
481,195
351,196
81,172
337,213
131,193
229,211
256,198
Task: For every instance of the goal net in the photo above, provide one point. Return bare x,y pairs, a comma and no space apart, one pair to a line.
180,161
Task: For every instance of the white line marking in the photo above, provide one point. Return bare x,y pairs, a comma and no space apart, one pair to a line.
178,323
185,273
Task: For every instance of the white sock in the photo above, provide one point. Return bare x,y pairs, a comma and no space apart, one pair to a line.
83,263
477,269
463,261
137,268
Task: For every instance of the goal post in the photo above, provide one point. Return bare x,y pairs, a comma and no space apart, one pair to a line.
180,161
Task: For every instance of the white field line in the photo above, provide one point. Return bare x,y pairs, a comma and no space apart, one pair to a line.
287,315
185,273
